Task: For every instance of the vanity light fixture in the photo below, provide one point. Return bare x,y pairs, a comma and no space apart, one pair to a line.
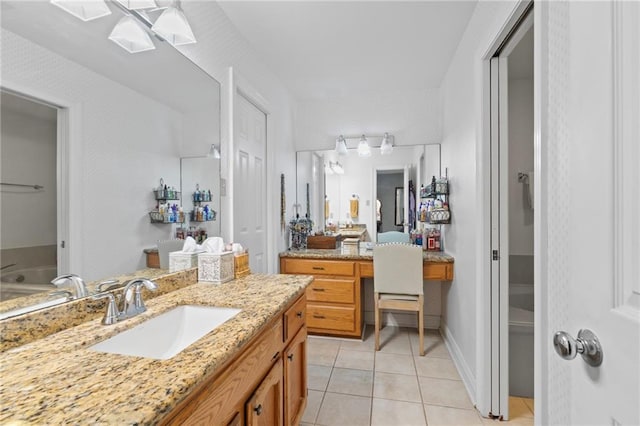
341,146
213,152
85,10
386,147
138,4
364,150
337,168
327,169
131,35
173,26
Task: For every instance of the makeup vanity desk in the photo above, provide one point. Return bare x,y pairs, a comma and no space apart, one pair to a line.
334,299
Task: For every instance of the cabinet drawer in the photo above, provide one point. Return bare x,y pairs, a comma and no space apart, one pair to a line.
437,271
294,318
366,269
319,267
334,290
331,317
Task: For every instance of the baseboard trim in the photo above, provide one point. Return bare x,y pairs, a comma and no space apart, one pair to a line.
403,319
463,368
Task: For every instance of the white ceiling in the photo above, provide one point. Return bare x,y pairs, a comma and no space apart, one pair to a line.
329,49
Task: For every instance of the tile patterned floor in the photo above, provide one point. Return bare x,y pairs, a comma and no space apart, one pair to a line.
351,384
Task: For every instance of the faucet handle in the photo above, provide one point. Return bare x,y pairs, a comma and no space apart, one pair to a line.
78,284
111,314
65,293
102,284
133,289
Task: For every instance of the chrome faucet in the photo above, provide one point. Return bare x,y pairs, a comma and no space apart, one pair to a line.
132,303
76,282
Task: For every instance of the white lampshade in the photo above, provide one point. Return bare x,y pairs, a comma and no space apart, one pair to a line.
138,4
328,170
364,150
213,152
172,25
84,9
341,145
131,35
337,168
386,147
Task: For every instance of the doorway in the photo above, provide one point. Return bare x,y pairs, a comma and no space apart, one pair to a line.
389,206
29,194
511,221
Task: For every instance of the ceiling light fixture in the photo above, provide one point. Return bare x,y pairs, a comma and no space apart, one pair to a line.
213,152
364,150
341,146
387,147
131,35
85,10
173,26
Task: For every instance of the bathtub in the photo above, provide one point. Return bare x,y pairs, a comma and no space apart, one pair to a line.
521,340
24,282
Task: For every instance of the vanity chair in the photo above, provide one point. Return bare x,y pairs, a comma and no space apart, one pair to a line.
397,283
393,237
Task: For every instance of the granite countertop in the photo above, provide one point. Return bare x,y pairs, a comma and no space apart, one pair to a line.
58,380
361,254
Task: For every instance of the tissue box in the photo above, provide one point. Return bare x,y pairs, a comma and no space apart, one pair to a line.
179,260
216,267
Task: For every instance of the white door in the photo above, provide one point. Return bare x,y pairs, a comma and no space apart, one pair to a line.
249,205
590,151
405,202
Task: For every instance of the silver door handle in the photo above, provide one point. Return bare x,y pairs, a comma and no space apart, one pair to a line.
587,345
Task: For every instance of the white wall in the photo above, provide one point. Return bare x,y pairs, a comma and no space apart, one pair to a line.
520,160
412,117
461,93
117,161
28,157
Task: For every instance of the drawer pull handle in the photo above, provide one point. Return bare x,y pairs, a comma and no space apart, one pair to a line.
290,357
299,314
318,289
275,356
318,268
258,409
318,316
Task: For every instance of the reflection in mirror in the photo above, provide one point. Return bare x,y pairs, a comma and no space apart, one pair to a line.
200,183
330,192
399,206
120,123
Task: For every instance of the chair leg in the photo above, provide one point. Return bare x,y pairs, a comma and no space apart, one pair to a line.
421,323
377,320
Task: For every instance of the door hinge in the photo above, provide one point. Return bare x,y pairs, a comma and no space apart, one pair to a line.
496,256
62,244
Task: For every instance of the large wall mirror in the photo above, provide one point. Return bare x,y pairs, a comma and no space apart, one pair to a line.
95,128
326,184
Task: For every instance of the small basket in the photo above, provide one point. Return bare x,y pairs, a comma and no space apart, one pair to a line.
241,265
439,216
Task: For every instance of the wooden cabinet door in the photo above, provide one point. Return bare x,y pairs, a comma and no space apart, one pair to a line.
265,407
295,378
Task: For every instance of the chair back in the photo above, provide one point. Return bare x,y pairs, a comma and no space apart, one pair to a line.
397,268
164,248
393,237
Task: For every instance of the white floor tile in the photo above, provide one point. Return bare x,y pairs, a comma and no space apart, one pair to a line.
398,387
352,382
340,410
314,400
450,393
318,377
386,413
395,363
436,367
447,416
355,359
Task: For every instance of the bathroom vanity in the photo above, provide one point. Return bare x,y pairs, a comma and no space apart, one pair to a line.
335,298
247,369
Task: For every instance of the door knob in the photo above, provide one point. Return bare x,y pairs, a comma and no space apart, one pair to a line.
587,345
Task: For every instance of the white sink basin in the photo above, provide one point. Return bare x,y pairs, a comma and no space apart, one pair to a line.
168,334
